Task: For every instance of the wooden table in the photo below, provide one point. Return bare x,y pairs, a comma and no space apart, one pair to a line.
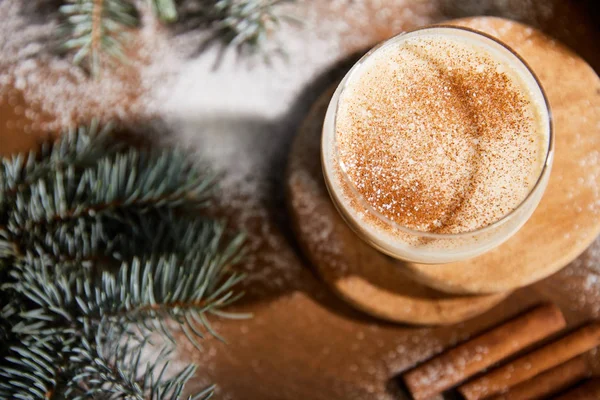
303,342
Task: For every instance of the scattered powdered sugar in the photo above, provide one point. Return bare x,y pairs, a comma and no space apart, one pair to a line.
62,92
591,182
579,283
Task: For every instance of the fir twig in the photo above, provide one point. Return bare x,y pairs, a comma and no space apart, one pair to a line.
106,368
96,29
95,255
133,179
80,146
123,372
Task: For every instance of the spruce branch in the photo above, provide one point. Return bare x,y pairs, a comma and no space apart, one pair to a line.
89,239
142,291
97,254
82,241
123,372
97,29
145,294
132,179
98,366
79,146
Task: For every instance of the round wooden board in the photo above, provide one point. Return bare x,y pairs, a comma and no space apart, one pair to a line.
564,224
357,272
568,217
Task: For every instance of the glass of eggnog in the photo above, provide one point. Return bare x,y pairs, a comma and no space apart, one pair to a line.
437,145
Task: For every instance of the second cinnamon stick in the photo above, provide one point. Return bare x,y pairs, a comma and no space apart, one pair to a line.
550,382
470,358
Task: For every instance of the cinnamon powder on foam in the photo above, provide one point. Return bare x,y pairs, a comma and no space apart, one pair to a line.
439,136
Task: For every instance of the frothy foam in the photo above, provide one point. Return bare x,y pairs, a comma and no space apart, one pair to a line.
440,134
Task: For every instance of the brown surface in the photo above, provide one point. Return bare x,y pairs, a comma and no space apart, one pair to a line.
303,342
515,372
550,382
589,390
569,204
356,271
13,123
468,359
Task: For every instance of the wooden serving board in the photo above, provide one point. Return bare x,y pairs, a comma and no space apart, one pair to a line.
303,341
389,289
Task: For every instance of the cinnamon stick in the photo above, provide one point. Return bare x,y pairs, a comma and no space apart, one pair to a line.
471,357
589,390
553,381
520,370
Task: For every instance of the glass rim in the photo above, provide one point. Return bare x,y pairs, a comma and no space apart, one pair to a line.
432,235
